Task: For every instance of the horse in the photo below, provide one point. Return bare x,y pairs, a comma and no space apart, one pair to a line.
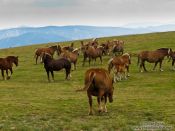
7,64
121,66
92,53
156,57
68,48
97,82
118,47
50,50
72,56
51,65
93,43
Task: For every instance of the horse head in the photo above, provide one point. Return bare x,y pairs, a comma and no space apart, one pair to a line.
45,56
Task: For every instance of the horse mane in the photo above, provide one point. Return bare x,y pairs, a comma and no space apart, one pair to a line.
76,49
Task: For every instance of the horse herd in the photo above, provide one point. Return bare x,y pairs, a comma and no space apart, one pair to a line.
98,81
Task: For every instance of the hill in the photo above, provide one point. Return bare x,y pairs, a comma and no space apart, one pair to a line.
29,102
34,35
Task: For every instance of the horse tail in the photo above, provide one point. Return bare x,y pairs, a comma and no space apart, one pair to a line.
110,65
35,53
90,80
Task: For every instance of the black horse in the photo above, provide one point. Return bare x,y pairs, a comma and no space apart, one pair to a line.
51,65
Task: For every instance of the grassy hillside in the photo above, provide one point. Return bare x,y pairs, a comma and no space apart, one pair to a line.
29,102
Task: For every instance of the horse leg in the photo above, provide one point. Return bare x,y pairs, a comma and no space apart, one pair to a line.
144,67
104,107
2,72
155,65
127,67
52,75
84,60
173,64
68,74
7,76
36,59
161,66
99,104
90,103
48,77
141,65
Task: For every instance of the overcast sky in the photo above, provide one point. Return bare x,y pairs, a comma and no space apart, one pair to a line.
15,13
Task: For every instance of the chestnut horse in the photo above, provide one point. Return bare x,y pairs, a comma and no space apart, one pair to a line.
72,56
51,65
156,57
7,64
50,50
121,65
97,82
92,53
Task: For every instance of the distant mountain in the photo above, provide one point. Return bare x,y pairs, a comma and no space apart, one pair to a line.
30,35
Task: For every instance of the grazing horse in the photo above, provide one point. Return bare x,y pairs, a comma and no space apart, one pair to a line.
118,47
72,56
156,57
98,83
7,64
121,66
51,65
50,50
92,53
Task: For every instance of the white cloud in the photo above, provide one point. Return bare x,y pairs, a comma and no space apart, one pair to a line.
91,12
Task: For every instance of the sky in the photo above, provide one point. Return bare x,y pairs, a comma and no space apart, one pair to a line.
17,13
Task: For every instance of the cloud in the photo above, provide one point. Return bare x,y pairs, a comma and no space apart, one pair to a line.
91,12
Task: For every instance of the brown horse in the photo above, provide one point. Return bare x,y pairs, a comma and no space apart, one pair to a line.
7,64
93,43
121,65
68,48
92,53
98,83
72,56
156,57
118,47
51,65
50,50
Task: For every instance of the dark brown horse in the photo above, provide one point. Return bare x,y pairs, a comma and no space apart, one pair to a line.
50,50
72,56
156,57
51,65
92,53
7,64
118,47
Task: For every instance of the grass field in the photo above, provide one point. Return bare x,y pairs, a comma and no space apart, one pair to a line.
29,102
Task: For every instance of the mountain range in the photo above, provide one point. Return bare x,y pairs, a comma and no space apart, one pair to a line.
34,35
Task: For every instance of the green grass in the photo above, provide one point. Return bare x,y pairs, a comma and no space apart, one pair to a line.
29,102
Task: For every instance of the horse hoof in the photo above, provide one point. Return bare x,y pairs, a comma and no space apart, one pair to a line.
90,113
